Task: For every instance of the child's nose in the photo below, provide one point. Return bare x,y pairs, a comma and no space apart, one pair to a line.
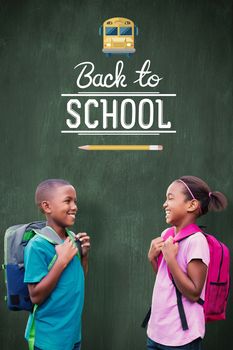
74,207
164,204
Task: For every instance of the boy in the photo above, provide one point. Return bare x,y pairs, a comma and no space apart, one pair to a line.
59,291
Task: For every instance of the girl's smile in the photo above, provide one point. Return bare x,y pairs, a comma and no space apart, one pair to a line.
178,209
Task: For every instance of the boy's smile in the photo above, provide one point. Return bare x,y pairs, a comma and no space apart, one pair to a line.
62,207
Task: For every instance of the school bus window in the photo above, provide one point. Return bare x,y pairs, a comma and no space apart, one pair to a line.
125,31
111,31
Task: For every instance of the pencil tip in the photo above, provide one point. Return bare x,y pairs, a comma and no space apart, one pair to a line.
84,147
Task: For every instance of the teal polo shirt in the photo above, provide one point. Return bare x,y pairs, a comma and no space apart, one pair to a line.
58,318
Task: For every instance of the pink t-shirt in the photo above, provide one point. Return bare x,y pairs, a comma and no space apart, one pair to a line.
164,326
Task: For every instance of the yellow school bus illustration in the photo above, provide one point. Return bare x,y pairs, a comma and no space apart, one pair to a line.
118,36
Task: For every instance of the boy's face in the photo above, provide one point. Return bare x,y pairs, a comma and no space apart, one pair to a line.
61,206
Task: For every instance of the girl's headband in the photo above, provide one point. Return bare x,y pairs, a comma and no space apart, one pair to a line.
187,188
192,195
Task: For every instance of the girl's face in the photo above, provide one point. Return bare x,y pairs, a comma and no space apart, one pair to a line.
176,205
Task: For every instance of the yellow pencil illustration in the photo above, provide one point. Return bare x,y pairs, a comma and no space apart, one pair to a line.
122,147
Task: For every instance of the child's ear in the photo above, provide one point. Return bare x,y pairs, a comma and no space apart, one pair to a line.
45,207
193,206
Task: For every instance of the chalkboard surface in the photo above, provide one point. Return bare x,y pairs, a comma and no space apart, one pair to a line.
120,194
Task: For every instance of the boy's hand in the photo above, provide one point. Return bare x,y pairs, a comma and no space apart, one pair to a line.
170,250
66,251
85,242
155,248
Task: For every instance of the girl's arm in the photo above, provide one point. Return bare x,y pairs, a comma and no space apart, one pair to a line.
154,251
41,290
191,284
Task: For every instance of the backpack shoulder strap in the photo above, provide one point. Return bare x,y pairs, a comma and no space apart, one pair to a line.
186,232
168,232
77,242
49,234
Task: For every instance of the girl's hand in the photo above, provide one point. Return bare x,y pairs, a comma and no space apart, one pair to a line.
85,242
170,250
155,248
66,251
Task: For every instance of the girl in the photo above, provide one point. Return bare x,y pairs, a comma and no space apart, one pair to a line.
187,261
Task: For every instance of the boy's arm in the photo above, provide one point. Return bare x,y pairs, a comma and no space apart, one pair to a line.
85,245
41,290
85,264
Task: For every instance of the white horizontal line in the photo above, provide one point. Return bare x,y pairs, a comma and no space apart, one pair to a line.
155,132
116,134
80,94
119,92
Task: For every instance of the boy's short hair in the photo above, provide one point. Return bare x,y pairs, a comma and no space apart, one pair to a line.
46,187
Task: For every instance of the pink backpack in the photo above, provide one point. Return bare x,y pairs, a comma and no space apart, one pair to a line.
218,278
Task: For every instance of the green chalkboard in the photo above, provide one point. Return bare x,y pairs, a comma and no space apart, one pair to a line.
120,194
